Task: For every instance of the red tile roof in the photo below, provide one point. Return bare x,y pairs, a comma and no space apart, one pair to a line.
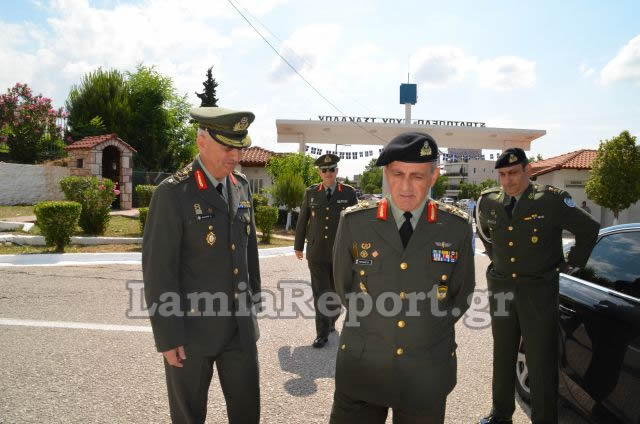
88,143
256,156
580,159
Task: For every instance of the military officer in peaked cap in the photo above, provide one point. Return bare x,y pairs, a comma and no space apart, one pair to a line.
520,225
201,274
409,258
317,223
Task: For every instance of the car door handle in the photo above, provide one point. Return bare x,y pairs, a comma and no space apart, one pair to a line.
567,310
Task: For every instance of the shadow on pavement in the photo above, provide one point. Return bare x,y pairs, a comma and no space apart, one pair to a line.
308,364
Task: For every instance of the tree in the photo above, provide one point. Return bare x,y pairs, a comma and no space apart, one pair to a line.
440,187
28,125
536,158
143,108
298,164
208,96
101,95
288,191
614,182
473,191
371,181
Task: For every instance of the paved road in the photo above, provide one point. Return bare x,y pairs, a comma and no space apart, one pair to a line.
105,369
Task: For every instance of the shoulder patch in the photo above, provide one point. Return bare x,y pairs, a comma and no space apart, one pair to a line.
453,210
182,174
361,206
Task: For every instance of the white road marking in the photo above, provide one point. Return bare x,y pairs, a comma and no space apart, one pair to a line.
75,325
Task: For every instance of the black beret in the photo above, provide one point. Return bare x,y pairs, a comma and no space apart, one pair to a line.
510,157
327,161
412,147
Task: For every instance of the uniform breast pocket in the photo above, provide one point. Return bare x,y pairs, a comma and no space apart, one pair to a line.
199,234
368,275
243,224
535,226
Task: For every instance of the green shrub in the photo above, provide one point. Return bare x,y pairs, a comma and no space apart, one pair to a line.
144,193
143,218
57,220
260,200
95,196
266,218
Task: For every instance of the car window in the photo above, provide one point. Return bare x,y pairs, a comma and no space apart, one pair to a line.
614,263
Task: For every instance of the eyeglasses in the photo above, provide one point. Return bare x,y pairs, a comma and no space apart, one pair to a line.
325,170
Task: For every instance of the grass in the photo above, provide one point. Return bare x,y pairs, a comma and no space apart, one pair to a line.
28,250
12,211
119,226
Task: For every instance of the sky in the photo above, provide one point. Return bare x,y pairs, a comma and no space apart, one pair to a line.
571,68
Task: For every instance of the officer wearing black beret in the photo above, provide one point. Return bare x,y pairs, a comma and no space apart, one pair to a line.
409,258
317,223
520,225
201,274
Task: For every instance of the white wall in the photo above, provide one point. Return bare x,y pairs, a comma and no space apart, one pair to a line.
258,173
29,184
565,178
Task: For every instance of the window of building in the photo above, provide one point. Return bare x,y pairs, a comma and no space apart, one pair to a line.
474,170
256,185
80,163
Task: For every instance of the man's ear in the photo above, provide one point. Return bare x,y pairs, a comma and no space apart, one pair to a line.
528,170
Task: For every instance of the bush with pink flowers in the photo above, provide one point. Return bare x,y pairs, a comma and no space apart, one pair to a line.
30,126
96,196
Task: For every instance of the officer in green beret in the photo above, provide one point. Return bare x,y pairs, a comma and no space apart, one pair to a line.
404,270
520,225
318,223
201,274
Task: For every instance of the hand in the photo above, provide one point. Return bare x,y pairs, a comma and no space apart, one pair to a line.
175,357
299,254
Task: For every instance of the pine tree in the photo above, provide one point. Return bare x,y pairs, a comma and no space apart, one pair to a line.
208,96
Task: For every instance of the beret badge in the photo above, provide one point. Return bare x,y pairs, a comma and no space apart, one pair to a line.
426,149
513,158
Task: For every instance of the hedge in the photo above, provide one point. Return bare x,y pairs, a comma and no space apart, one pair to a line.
57,221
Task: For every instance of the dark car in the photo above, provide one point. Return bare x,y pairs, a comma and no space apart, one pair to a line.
599,355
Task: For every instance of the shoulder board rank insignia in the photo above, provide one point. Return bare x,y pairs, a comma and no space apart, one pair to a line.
201,181
183,174
383,206
432,212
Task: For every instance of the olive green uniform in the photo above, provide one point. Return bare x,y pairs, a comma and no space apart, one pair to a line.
406,361
526,257
318,223
196,242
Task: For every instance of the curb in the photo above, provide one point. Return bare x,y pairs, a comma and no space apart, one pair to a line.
83,241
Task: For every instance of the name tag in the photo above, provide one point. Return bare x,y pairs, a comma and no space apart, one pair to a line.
201,217
364,262
342,201
450,256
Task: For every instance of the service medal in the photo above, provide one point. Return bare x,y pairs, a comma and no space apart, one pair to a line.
441,293
534,239
211,238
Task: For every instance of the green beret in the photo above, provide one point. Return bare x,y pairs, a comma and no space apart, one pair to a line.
227,127
327,161
411,147
510,157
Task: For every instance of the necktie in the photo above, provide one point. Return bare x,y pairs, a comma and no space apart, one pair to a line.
220,187
406,229
509,208
328,194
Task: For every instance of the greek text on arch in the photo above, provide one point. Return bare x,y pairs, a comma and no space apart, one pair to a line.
366,119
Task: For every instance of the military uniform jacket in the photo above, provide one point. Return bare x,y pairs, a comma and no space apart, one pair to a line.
528,247
318,220
195,243
406,360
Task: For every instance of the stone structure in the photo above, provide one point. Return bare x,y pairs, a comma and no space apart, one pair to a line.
104,156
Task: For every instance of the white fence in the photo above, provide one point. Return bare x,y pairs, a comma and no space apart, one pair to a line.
29,184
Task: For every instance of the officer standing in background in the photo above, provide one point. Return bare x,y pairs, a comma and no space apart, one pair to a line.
521,226
318,223
409,258
201,274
